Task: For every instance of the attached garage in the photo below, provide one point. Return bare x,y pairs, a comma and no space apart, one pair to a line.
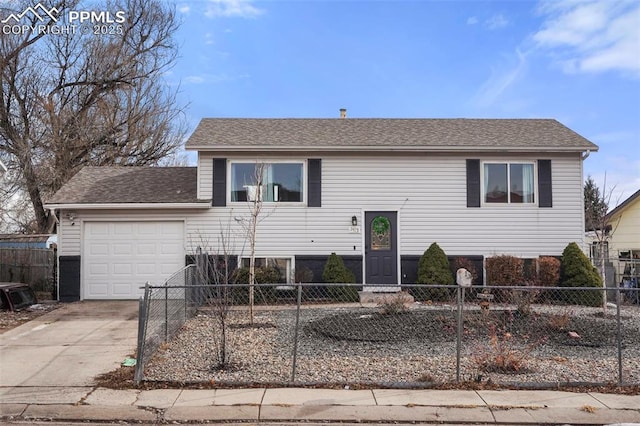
120,257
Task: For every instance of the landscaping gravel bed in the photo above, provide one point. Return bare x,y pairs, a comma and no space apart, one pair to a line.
353,345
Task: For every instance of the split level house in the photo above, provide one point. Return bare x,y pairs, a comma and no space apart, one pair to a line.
377,192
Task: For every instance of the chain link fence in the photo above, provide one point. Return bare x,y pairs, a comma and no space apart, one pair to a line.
163,311
322,334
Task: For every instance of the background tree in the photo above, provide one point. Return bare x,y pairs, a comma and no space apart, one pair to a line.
595,206
75,99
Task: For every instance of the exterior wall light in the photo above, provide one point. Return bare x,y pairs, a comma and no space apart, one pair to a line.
354,221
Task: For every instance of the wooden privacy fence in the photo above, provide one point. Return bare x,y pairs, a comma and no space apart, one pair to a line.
33,266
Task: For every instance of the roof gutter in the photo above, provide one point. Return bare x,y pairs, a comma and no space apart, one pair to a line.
113,206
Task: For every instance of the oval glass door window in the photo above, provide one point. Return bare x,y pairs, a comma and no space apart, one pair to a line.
380,233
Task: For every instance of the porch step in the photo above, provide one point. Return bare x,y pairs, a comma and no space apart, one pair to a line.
379,297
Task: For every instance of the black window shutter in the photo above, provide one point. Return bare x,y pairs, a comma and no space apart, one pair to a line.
219,197
473,183
314,182
545,193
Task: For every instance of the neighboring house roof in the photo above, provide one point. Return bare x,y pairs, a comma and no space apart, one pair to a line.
129,185
27,240
459,134
623,205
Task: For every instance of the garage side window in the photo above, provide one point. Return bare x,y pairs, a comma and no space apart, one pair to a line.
269,182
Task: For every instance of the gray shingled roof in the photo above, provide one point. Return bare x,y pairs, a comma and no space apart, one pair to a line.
386,134
116,185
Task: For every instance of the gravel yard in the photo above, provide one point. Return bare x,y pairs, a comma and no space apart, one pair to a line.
354,344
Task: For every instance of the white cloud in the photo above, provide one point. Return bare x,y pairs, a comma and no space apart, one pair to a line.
472,20
213,78
194,79
496,22
232,8
184,9
501,80
208,39
593,36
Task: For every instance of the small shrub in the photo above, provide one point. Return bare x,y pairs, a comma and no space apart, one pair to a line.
548,271
303,275
500,356
545,272
396,304
434,269
560,322
504,354
263,294
525,297
576,270
504,271
335,272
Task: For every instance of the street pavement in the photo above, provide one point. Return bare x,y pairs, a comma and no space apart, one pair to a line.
48,366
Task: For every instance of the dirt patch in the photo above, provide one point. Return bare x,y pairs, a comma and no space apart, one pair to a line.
9,320
122,378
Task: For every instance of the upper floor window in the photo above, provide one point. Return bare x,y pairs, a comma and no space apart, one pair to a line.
509,183
269,182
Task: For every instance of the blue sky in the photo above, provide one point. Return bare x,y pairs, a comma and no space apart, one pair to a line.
575,61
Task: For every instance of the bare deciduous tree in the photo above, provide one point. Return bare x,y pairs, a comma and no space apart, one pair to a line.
256,190
215,261
597,223
78,98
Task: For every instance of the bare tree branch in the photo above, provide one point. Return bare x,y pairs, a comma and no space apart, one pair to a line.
70,100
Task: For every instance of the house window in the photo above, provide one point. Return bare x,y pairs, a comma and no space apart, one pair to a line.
269,182
282,265
511,183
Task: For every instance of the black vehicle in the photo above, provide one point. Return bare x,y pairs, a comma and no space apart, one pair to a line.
16,296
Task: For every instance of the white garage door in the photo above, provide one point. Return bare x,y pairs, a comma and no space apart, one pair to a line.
120,257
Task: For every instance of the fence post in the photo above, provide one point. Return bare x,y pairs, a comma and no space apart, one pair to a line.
166,313
295,335
619,332
460,297
143,311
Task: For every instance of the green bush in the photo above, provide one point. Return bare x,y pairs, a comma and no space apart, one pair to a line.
262,294
576,270
335,272
434,269
504,271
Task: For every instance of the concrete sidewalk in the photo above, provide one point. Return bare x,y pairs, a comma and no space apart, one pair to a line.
315,405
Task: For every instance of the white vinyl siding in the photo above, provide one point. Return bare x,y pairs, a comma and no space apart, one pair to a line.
205,176
427,191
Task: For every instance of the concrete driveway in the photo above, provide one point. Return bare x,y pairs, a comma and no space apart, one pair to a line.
69,346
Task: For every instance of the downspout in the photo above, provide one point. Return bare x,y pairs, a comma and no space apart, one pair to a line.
585,155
